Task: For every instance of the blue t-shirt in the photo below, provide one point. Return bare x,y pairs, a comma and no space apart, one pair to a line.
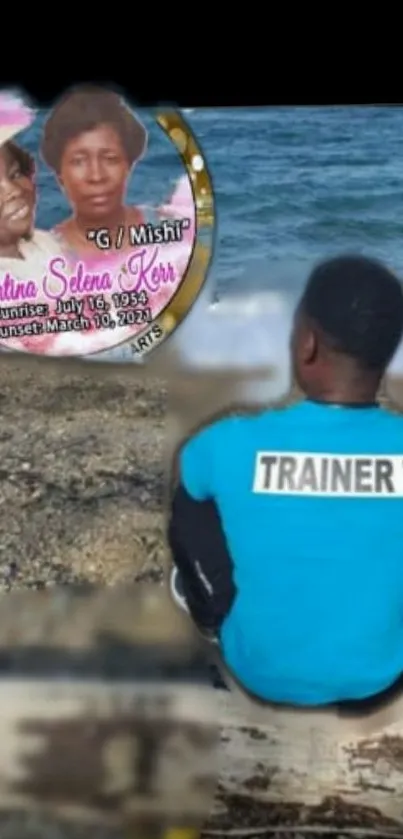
311,501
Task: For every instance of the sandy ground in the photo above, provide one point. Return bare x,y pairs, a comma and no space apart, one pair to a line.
81,490
81,477
83,460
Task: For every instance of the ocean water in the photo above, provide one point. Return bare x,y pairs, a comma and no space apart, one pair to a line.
292,186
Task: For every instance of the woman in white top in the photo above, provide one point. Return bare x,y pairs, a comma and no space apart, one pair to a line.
24,251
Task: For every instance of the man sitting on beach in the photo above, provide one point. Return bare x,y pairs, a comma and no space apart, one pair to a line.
286,527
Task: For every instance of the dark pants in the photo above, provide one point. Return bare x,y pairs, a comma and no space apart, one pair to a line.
199,550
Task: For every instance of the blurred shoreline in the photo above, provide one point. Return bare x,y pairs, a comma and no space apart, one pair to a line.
84,455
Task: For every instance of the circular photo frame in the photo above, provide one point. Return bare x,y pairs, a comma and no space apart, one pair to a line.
106,225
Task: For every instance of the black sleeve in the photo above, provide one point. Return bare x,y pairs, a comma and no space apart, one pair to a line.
199,550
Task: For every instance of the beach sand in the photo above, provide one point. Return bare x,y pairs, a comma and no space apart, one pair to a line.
83,469
81,490
81,475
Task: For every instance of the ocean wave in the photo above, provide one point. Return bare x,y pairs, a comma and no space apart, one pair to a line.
244,332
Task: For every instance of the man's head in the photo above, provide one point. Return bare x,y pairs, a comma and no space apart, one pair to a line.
347,328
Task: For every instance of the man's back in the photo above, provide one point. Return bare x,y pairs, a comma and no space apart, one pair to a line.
311,504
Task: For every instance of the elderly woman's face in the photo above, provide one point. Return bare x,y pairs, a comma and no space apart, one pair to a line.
94,171
17,200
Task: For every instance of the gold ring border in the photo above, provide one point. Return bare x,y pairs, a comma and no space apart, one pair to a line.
182,137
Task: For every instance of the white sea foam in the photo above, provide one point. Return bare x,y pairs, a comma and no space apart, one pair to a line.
396,367
245,332
241,332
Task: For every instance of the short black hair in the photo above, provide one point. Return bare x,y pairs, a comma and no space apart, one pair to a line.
358,305
83,109
23,158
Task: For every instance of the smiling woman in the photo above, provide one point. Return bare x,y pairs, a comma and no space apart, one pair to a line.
17,198
23,249
91,140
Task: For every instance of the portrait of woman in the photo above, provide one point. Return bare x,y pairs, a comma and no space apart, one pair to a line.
92,141
24,251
